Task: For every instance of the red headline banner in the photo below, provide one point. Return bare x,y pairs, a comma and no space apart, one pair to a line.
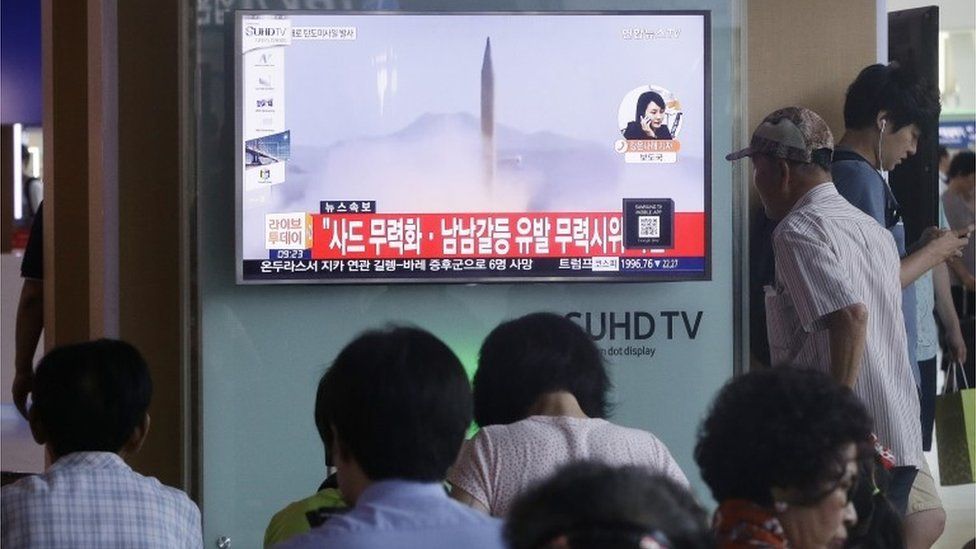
537,234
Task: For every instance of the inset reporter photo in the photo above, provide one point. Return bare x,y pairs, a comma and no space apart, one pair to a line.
648,113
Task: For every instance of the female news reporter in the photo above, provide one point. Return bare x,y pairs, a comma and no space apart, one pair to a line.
649,118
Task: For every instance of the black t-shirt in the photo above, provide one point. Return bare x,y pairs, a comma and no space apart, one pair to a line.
32,265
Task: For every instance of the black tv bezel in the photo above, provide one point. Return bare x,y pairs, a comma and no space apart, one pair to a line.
652,277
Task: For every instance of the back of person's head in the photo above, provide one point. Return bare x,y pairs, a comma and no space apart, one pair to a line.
540,353
962,165
398,401
783,427
322,421
896,90
592,505
90,397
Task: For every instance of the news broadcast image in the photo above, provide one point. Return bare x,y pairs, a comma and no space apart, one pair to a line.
384,148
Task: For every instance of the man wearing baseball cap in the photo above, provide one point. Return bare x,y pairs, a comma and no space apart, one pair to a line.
836,302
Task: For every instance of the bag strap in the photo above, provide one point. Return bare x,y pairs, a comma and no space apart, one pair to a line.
951,384
965,381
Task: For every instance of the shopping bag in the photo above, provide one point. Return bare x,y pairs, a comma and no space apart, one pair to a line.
955,429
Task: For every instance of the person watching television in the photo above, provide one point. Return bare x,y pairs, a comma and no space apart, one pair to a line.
90,412
394,409
540,398
592,505
780,450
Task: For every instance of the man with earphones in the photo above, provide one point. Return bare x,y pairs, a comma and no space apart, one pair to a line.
886,110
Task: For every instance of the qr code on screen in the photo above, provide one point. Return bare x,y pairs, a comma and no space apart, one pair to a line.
648,226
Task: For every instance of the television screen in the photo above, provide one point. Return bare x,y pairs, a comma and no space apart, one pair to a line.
405,147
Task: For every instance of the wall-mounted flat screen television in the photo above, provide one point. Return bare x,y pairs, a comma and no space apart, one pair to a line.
472,147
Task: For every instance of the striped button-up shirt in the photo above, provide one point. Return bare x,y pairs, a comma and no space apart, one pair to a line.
93,499
830,255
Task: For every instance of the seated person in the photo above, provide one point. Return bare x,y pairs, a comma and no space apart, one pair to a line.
394,408
90,402
649,119
589,505
303,515
780,450
540,397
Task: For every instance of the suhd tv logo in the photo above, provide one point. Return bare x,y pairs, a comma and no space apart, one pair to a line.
639,325
265,33
261,31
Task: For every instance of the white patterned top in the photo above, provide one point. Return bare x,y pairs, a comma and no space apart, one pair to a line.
502,461
830,255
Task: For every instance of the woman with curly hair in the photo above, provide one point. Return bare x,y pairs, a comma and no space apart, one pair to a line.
780,450
540,397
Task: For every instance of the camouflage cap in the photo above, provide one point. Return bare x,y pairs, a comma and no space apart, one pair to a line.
792,133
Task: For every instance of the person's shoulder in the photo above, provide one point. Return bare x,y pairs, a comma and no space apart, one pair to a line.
803,222
469,515
518,428
855,179
629,434
27,487
363,526
849,165
854,170
293,520
634,131
173,496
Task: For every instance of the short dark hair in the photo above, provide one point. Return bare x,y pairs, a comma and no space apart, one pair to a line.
90,397
895,89
646,99
323,423
963,164
398,400
539,353
783,427
600,506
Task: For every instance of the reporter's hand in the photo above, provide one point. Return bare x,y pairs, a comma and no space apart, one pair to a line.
646,125
23,384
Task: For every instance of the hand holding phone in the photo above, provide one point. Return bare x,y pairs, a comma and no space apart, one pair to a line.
645,122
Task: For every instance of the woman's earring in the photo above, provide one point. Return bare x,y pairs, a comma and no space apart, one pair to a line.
780,506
